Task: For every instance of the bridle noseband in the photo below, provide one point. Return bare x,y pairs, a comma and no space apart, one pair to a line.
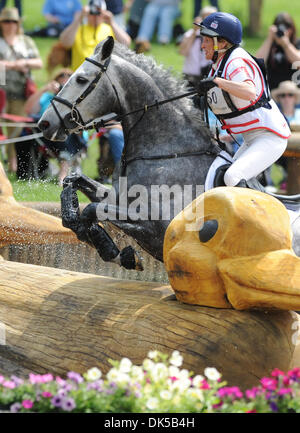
75,115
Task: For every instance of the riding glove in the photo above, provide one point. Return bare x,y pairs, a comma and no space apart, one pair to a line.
204,85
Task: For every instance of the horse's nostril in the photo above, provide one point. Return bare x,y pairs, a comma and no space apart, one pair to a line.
43,125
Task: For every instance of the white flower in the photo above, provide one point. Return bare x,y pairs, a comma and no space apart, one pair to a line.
166,395
152,403
93,374
196,393
159,371
112,374
184,374
197,380
153,354
212,373
125,365
181,384
137,373
173,371
148,364
176,359
115,375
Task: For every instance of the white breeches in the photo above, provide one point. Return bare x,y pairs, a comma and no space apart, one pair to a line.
261,148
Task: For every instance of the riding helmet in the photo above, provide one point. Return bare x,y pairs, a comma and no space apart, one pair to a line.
224,25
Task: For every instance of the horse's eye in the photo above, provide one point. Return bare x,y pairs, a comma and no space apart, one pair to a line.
208,230
81,80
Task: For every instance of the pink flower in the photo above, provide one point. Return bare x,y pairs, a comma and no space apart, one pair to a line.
1,379
60,381
283,391
269,383
276,372
232,391
46,378
9,384
27,404
252,393
173,378
35,378
251,411
204,385
46,394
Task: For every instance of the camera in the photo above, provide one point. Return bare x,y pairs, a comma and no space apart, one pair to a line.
95,7
281,28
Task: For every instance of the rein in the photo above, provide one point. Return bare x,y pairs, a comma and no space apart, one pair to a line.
76,117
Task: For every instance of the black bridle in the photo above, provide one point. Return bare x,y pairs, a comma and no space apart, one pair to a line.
75,115
77,119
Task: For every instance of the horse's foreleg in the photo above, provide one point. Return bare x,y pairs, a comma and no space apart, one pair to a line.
92,189
105,246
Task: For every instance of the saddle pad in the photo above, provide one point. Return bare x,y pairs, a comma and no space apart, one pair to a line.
222,159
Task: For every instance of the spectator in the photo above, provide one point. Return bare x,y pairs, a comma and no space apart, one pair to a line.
163,13
117,9
280,49
37,104
18,5
90,26
136,10
195,64
83,38
19,55
198,6
287,96
59,14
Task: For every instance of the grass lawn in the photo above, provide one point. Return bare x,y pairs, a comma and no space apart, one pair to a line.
166,55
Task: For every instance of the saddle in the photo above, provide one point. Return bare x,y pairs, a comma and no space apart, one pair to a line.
291,202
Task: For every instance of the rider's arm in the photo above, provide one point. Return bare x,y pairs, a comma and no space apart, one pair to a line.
243,90
67,37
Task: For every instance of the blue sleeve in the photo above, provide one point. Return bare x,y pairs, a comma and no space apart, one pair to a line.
47,9
77,6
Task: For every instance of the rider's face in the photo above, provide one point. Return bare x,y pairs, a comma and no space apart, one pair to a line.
208,47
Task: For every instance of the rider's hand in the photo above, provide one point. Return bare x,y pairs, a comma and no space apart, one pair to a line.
204,85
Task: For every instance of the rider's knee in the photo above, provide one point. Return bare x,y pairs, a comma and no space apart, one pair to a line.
232,177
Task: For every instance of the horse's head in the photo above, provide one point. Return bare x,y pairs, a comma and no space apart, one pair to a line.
75,105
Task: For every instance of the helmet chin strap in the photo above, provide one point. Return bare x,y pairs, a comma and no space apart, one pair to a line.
217,51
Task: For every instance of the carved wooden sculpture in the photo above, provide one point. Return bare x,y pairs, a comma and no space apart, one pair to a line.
22,225
232,248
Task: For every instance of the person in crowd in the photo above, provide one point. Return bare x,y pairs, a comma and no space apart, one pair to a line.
287,96
161,13
58,14
18,55
236,92
135,9
195,63
90,27
18,5
198,6
117,9
75,143
280,50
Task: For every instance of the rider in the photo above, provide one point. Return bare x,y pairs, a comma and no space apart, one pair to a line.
237,92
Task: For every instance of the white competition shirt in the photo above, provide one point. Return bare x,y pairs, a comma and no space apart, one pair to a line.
240,66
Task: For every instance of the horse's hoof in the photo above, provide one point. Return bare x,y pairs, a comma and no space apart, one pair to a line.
130,259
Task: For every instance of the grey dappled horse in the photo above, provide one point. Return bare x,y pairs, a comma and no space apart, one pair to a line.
167,145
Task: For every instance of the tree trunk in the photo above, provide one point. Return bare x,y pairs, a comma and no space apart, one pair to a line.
56,321
255,9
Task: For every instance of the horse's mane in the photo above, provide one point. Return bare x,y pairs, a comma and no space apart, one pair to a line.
169,84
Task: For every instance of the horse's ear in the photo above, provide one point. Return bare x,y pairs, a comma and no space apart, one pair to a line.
107,47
